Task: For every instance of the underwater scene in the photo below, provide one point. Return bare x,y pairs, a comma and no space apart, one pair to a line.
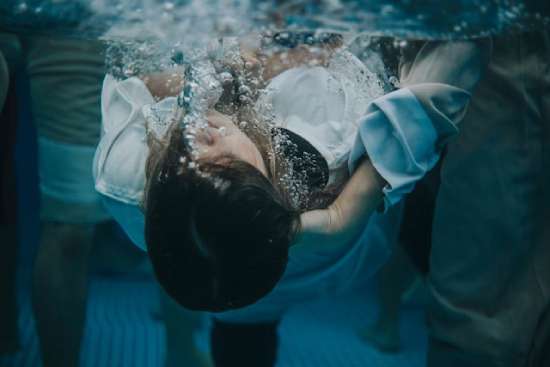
290,183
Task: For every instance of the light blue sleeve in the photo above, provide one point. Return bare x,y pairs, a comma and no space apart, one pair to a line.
400,140
403,132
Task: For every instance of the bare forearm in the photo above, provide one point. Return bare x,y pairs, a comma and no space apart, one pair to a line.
344,220
360,197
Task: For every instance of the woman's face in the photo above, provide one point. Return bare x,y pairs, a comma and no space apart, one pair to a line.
222,138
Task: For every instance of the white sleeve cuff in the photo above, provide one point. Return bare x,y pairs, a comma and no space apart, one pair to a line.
400,140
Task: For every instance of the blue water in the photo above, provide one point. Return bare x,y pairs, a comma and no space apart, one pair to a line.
431,19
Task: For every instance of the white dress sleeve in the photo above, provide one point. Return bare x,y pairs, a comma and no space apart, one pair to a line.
119,162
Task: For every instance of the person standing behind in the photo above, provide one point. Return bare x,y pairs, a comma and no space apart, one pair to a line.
66,77
489,274
65,84
489,266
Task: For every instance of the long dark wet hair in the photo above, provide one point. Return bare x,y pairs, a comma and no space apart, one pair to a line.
218,232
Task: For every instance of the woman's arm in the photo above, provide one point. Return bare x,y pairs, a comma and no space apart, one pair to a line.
347,216
403,133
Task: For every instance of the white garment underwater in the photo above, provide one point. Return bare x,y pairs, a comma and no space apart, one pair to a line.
338,110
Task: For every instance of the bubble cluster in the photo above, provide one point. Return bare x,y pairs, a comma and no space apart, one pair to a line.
227,74
292,180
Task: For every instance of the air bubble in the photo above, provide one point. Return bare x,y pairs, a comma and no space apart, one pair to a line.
168,6
394,81
22,7
244,89
226,77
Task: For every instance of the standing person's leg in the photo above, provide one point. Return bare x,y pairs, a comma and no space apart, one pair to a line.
489,272
68,221
60,288
65,82
65,79
395,277
408,264
246,345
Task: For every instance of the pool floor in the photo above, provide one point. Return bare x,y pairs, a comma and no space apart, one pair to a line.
121,332
123,327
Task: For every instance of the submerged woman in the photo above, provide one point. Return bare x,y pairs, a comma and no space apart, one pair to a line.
218,216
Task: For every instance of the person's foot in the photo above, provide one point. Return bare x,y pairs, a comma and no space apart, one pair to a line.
384,338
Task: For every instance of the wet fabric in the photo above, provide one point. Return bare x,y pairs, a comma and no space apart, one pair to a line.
63,178
65,83
65,78
399,138
489,272
119,171
415,235
119,163
323,105
66,185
